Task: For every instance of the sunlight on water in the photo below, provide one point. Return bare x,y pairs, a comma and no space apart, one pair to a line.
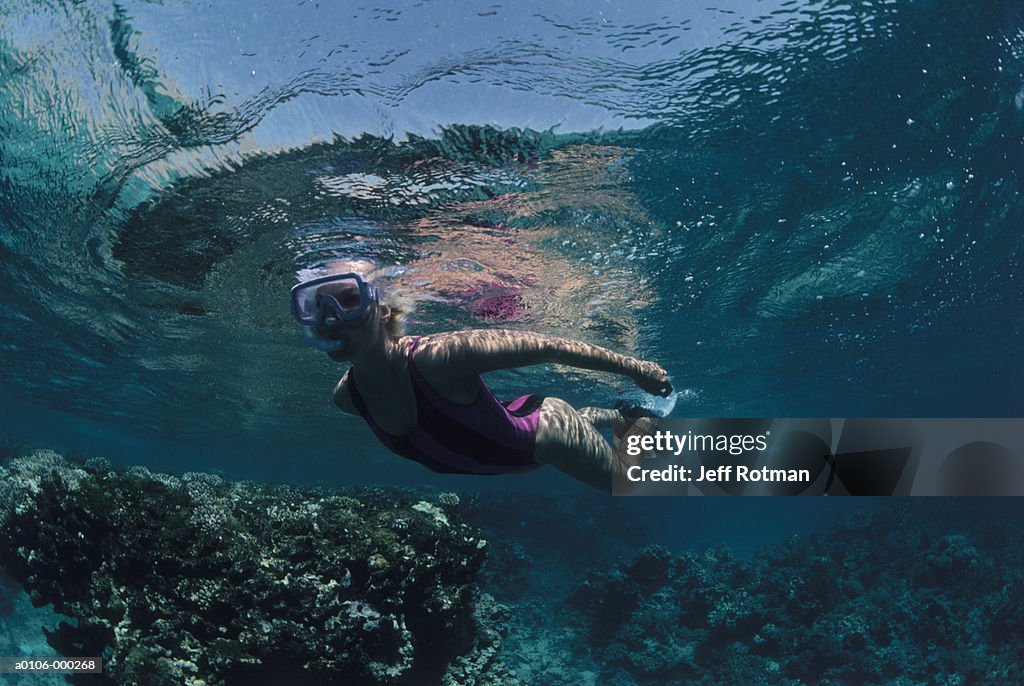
781,202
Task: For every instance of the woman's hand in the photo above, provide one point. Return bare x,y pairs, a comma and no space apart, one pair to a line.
652,378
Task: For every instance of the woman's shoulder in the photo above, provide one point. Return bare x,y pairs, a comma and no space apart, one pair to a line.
437,349
343,396
442,359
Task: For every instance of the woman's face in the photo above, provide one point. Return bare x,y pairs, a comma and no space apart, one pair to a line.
359,337
345,292
345,320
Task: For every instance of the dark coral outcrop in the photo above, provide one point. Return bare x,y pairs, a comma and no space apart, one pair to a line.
886,598
197,580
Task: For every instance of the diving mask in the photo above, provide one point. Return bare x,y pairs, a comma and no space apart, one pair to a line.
328,305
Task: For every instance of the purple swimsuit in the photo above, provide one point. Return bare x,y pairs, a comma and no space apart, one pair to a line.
484,437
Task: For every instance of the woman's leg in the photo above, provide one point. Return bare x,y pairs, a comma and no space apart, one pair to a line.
599,417
570,441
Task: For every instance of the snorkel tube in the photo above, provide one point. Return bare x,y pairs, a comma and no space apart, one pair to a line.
334,342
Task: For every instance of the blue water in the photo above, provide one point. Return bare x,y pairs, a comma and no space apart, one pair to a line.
799,209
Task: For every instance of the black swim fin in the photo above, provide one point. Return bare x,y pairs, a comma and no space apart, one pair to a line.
630,410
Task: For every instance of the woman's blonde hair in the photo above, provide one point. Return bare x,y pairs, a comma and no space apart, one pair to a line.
401,307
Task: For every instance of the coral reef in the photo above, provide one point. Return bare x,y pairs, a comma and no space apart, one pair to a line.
538,545
194,580
535,537
886,598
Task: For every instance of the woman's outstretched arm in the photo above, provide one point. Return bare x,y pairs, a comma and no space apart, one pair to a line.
471,353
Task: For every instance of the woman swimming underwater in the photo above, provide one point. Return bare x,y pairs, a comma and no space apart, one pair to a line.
424,399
